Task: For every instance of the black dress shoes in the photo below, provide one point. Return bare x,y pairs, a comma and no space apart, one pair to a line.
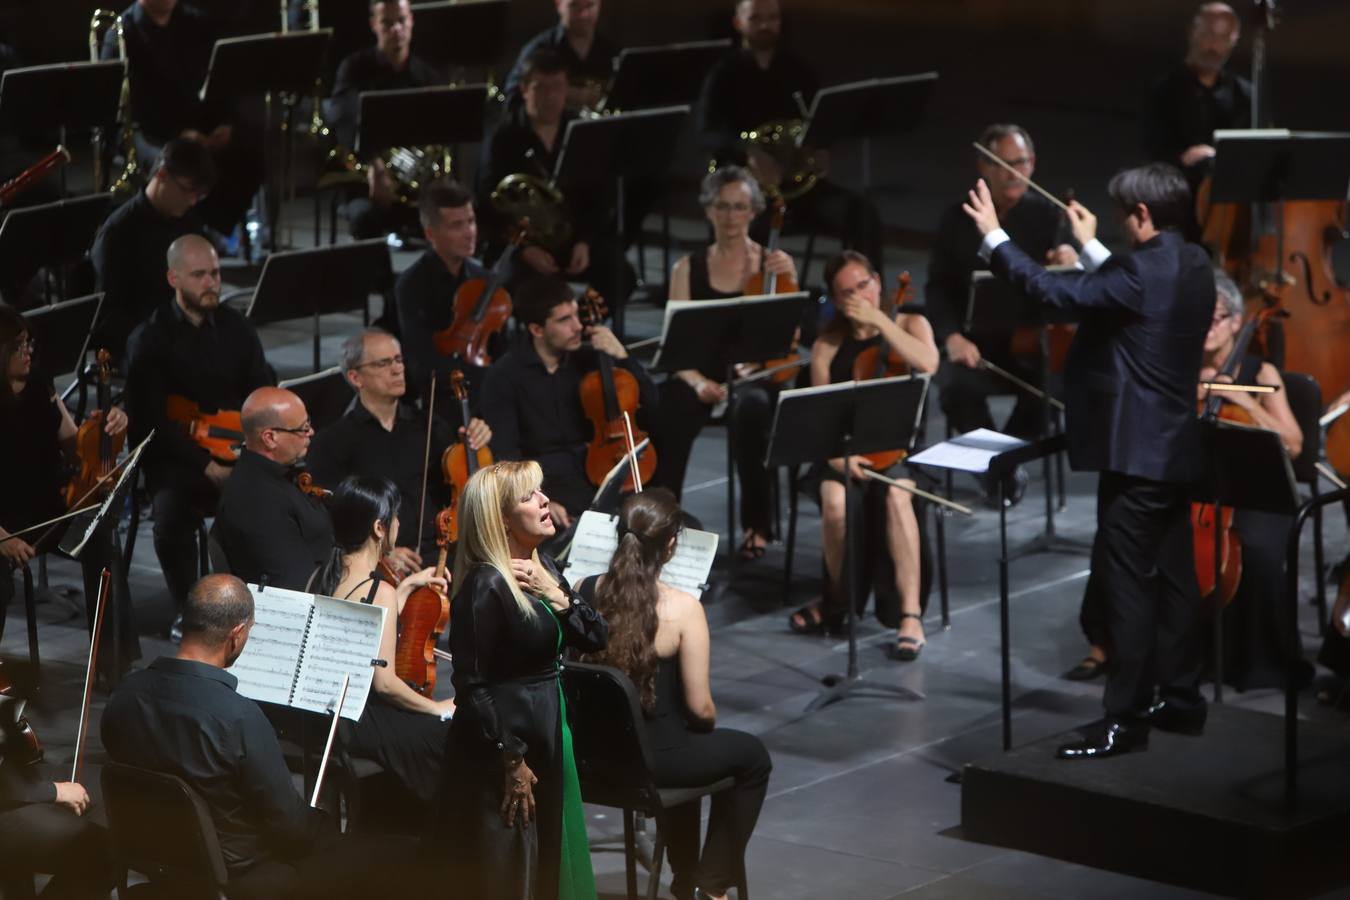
1109,737
1166,717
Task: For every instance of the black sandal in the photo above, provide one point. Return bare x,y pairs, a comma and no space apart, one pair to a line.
1086,670
751,551
810,619
907,648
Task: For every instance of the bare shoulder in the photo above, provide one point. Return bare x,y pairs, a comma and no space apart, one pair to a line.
676,604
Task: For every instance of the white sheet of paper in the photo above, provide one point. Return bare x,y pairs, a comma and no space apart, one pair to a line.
344,636
969,452
266,668
594,542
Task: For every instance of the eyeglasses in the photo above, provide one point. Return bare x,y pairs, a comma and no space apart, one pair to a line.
305,427
27,346
722,206
384,363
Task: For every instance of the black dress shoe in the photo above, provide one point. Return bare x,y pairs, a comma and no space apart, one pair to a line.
1109,737
1166,717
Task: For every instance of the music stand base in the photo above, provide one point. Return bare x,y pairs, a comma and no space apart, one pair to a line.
837,687
1047,542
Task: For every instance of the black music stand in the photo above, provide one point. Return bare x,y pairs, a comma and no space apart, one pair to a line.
1234,452
416,117
75,96
847,419
59,233
997,308
330,279
61,332
455,35
621,146
665,75
862,110
739,330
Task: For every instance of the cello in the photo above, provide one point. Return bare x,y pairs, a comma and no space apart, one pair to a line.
459,462
97,450
874,363
609,397
763,283
482,308
425,615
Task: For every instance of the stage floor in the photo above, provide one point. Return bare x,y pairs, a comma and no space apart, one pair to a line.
859,804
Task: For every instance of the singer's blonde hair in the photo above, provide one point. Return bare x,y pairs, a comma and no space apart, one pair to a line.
487,499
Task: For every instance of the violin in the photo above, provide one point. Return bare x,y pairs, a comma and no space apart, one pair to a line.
763,283
425,615
609,397
220,433
482,308
874,363
459,462
305,483
97,450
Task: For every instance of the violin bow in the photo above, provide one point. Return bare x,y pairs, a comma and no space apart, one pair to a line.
632,455
426,465
1031,184
82,733
1024,385
332,733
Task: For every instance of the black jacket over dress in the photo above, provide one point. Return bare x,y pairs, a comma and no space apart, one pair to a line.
508,699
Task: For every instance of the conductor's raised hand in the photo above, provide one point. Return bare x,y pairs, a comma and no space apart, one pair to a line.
1083,222
980,207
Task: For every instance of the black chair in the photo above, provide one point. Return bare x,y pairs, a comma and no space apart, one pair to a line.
162,829
1305,401
614,762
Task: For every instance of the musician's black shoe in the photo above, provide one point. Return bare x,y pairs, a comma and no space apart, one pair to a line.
1014,488
1165,716
1109,737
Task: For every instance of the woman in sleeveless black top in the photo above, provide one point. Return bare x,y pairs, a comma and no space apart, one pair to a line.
860,323
659,638
400,729
731,199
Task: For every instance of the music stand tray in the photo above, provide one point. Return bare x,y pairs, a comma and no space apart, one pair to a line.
417,117
75,96
62,333
624,145
866,109
665,75
817,424
1273,165
331,279
472,33
49,234
263,63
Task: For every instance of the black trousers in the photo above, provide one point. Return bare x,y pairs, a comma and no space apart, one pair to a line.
48,839
679,419
181,501
1144,555
337,866
965,394
733,814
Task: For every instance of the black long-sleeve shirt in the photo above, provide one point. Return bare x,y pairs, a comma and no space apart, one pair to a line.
268,528
1181,112
216,365
129,257
1033,224
184,718
738,95
424,296
369,70
537,415
167,66
598,64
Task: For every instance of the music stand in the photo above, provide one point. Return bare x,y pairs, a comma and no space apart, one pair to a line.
624,145
862,110
61,332
847,419
738,330
330,279
73,96
59,233
461,34
419,117
326,395
1233,449
664,75
997,308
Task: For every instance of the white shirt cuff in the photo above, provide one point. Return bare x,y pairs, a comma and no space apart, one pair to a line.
1094,254
992,240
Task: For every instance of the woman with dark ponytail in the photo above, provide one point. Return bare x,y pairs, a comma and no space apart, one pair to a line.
400,729
658,636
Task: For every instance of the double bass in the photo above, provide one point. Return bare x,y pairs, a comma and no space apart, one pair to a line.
609,397
482,308
459,462
97,450
424,617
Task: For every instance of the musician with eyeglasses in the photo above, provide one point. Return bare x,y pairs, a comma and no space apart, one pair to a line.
588,54
194,348
272,531
381,436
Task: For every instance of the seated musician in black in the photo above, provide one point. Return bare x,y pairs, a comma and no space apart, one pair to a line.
1041,231
168,47
425,291
35,468
194,348
387,66
1199,96
758,82
382,436
588,54
531,396
182,716
130,246
528,141
269,529
731,199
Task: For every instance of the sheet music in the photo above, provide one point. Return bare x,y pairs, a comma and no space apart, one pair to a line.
344,636
970,452
266,668
595,540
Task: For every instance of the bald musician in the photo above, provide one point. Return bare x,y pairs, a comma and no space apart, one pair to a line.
191,347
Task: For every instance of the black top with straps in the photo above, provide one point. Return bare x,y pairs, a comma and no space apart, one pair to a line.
700,282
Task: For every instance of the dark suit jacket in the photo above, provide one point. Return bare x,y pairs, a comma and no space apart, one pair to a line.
1132,370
